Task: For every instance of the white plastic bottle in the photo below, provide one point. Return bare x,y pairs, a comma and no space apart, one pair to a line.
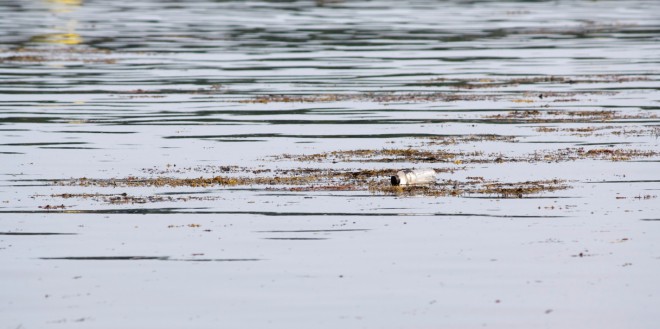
414,177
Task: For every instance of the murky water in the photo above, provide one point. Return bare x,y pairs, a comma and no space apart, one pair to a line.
226,163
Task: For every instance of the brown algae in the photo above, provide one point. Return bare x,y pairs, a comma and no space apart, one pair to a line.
495,82
348,179
314,180
473,187
413,155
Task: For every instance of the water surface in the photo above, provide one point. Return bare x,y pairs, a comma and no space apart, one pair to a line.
109,112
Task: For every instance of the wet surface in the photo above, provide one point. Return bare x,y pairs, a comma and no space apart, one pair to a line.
35,233
227,163
149,258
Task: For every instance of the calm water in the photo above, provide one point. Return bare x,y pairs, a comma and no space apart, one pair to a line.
522,90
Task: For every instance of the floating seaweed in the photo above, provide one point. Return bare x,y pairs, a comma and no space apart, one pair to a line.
554,116
414,155
56,54
496,82
386,97
473,187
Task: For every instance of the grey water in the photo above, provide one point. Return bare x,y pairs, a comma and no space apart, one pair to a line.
182,89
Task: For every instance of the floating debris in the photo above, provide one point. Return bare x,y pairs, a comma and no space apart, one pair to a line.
611,154
306,180
125,198
207,169
462,139
52,207
414,155
56,54
383,155
413,177
553,116
497,82
372,97
603,131
473,187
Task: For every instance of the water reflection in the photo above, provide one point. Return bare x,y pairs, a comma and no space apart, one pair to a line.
58,38
508,100
66,28
63,6
208,76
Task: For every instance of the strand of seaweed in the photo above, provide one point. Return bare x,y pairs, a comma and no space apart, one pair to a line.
414,155
497,82
375,184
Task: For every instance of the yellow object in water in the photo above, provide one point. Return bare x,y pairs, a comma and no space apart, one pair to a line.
67,2
58,38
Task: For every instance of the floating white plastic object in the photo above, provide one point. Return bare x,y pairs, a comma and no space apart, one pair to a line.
414,177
